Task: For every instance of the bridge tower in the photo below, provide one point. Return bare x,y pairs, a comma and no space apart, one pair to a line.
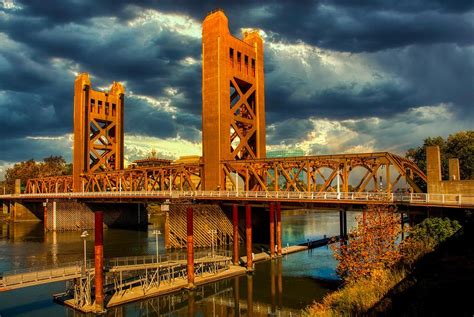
233,101
98,129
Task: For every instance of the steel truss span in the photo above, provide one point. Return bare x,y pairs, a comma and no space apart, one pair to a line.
310,174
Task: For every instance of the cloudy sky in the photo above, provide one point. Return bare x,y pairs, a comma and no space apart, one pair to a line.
340,76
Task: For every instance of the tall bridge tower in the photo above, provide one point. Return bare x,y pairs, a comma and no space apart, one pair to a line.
98,129
233,101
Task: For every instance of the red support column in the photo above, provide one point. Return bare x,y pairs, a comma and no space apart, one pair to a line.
99,260
235,222
279,228
248,232
190,255
272,230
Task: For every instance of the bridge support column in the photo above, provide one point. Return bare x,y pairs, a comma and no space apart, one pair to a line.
343,225
45,215
248,232
235,223
346,235
190,248
272,230
278,231
99,260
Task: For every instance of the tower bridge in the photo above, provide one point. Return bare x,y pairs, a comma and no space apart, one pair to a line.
233,168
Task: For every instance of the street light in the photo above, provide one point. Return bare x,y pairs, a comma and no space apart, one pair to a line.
212,232
84,236
156,233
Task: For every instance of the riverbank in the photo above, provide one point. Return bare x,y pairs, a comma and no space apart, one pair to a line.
434,267
440,283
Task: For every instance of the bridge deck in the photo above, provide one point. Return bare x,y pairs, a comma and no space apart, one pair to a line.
354,198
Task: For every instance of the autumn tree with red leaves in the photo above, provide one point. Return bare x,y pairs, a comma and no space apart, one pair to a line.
372,244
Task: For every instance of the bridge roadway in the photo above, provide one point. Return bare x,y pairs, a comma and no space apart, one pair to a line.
347,198
36,276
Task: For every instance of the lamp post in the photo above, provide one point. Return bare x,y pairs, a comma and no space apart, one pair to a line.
212,232
156,233
84,236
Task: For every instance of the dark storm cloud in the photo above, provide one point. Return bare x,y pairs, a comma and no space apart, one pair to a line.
290,131
21,149
341,25
425,47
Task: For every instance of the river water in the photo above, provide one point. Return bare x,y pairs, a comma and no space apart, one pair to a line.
283,286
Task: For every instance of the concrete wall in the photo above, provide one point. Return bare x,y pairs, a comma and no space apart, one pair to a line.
26,212
438,186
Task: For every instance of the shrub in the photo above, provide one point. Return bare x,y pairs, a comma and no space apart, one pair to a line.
372,244
425,236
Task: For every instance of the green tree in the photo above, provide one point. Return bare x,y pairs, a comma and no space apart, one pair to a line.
51,166
459,145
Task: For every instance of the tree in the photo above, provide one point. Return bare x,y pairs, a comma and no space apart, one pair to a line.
372,244
51,166
23,171
459,145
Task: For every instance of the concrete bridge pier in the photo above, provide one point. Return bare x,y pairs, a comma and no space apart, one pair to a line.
190,247
248,233
99,260
45,215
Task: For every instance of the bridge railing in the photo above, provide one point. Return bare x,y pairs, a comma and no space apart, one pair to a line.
153,259
36,274
412,198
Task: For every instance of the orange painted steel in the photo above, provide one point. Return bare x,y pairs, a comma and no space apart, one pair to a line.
99,259
54,184
294,174
319,173
278,231
190,247
248,233
233,104
176,177
272,230
235,223
98,129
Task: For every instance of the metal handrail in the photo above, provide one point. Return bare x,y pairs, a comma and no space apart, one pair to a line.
454,199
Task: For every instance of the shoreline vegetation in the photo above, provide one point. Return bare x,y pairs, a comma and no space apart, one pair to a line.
374,271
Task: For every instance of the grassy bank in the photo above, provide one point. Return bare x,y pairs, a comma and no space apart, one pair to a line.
372,294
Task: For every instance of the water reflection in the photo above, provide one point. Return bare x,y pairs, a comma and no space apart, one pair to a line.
282,286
